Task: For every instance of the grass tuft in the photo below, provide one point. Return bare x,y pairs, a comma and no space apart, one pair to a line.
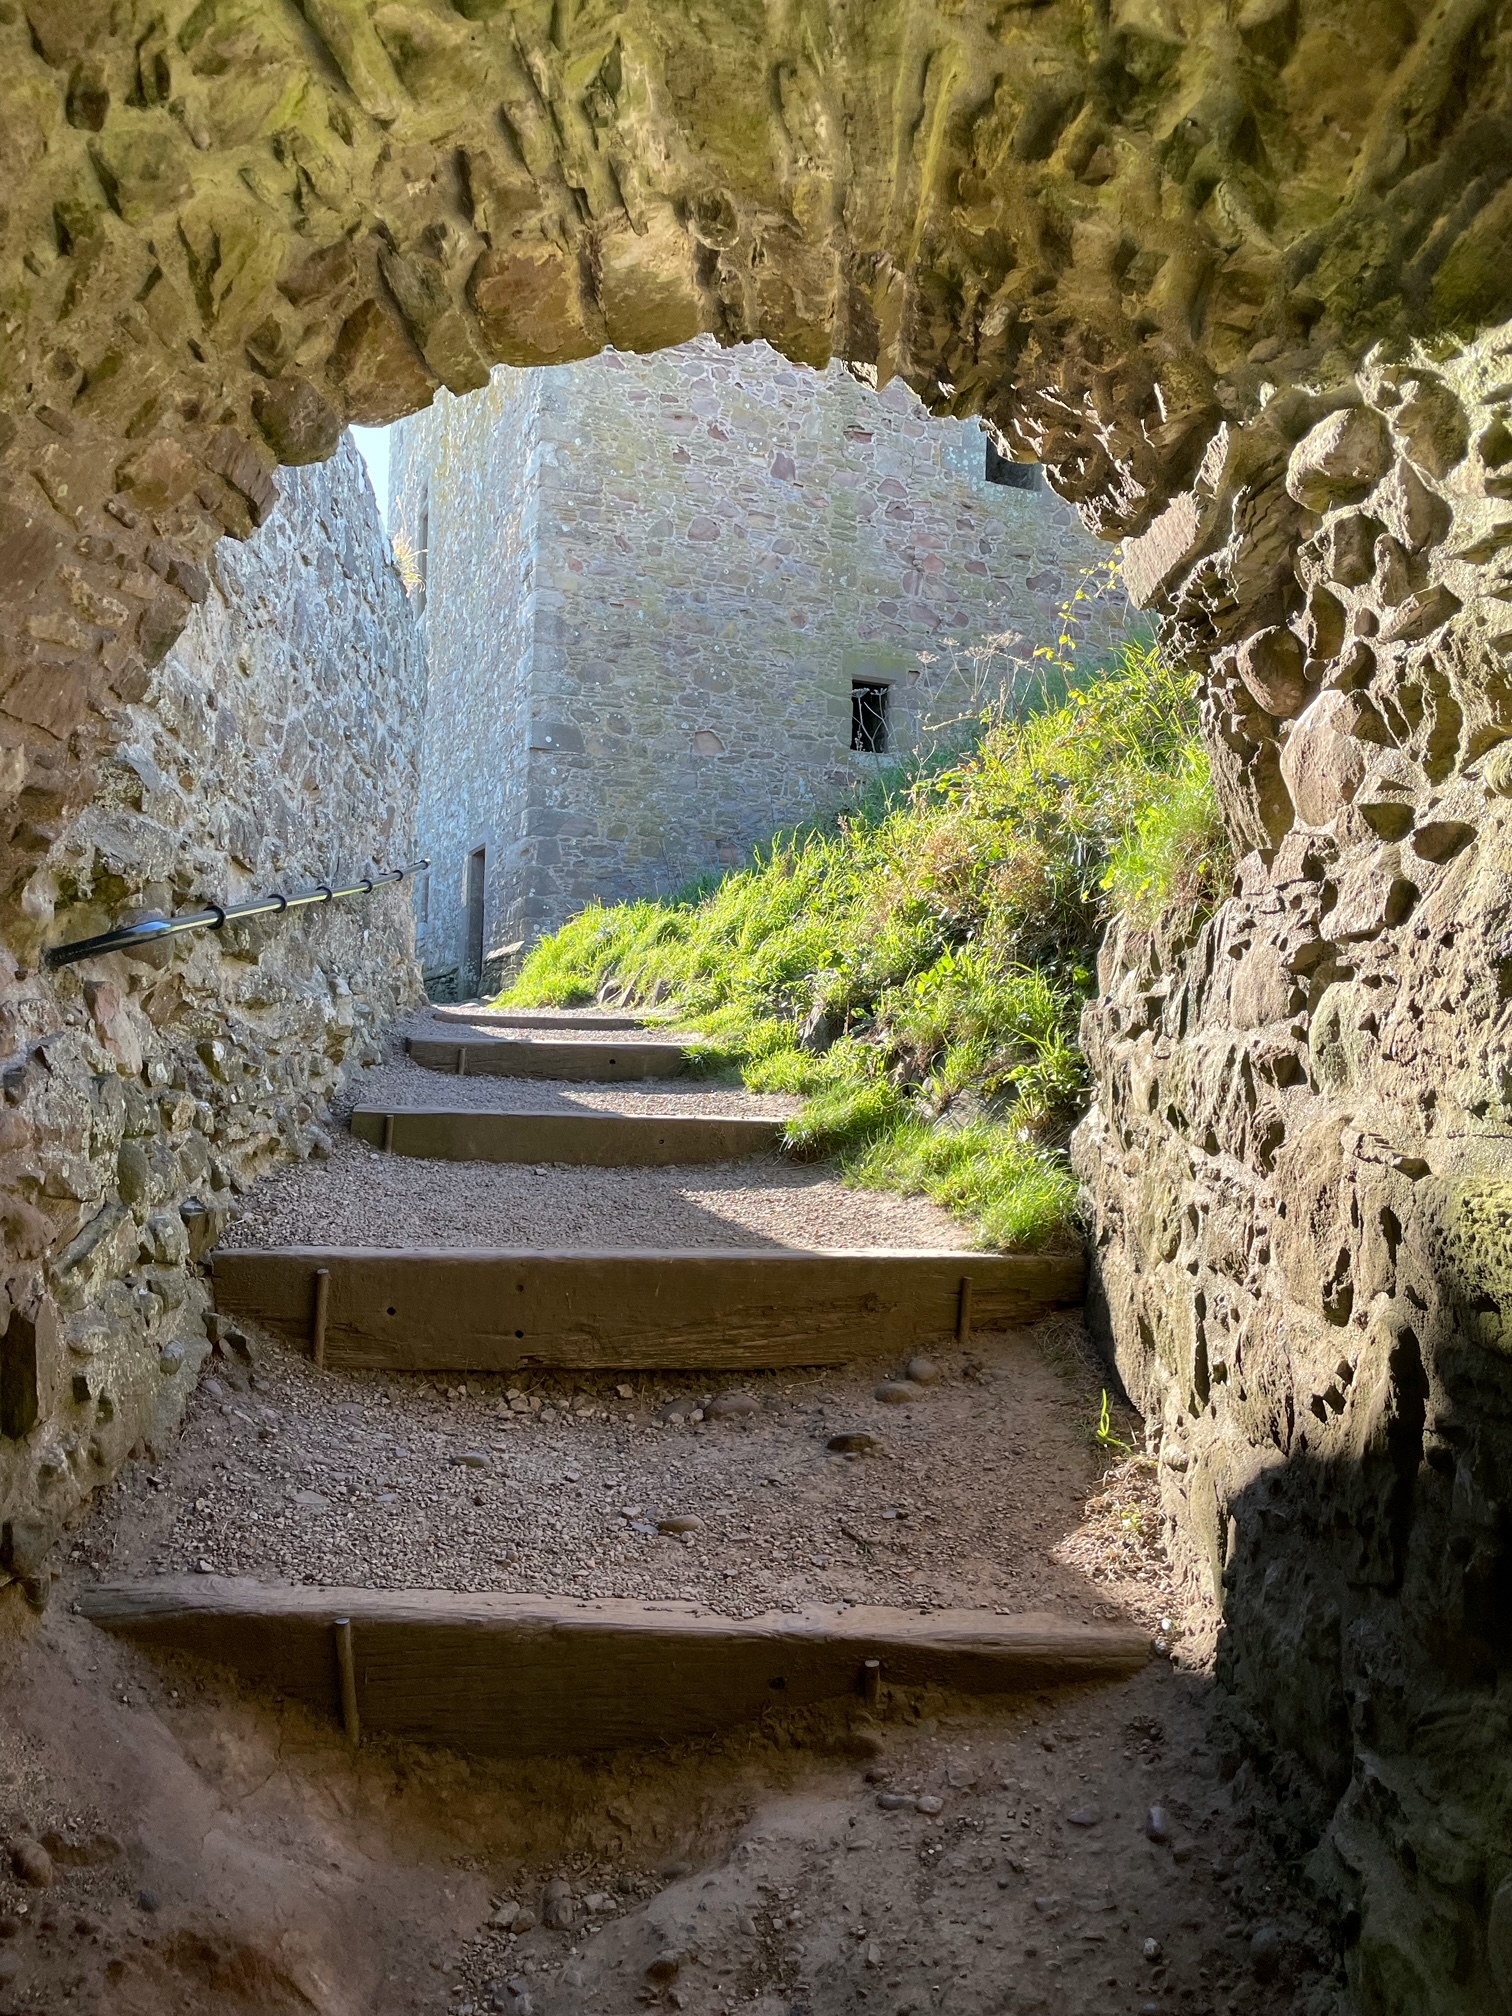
915,969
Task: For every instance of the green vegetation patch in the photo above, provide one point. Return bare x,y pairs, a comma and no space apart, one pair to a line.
916,969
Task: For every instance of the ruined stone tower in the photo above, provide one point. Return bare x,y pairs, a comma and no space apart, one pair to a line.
675,603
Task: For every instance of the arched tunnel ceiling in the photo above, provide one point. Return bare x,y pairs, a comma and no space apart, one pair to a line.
229,226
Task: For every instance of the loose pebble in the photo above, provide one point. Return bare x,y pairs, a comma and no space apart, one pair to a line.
1157,1826
680,1522
929,1804
894,1802
31,1863
735,1405
924,1371
557,1907
897,1392
1153,1950
855,1442
1085,1816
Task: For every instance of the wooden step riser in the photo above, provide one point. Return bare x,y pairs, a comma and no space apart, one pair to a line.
714,1309
530,1676
586,1063
580,1140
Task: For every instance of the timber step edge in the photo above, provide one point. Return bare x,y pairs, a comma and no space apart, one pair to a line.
538,1676
605,1062
585,1139
714,1308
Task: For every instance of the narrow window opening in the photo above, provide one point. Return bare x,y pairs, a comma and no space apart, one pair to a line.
1012,475
476,864
869,716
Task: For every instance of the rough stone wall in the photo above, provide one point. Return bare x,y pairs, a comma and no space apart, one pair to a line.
465,491
276,745
651,584
1150,241
1300,1162
229,226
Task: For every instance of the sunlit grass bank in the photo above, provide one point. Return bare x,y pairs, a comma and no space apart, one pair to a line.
916,969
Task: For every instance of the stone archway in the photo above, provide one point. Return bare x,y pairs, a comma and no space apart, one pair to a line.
1234,273
1112,229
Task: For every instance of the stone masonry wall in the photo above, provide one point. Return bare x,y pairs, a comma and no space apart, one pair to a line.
689,558
276,745
476,461
1299,1167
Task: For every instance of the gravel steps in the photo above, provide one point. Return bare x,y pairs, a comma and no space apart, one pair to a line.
959,1488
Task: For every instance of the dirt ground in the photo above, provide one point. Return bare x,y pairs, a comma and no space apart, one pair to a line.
178,1845
217,1851
256,1867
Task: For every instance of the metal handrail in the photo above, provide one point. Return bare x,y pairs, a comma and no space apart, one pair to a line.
152,930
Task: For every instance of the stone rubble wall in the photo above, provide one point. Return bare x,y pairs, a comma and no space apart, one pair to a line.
276,746
1299,1166
651,584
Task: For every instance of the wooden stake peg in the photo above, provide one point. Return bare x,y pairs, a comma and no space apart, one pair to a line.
346,1670
318,1314
388,1133
461,1060
963,1311
871,1681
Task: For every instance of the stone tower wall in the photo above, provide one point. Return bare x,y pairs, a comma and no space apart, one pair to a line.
690,557
465,496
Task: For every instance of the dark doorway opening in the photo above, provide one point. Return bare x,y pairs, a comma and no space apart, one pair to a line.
476,865
869,716
1012,475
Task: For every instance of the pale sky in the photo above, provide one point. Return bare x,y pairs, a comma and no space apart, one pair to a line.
373,446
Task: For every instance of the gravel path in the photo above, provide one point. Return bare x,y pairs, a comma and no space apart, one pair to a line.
399,1083
555,1484
1077,1853
362,1197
